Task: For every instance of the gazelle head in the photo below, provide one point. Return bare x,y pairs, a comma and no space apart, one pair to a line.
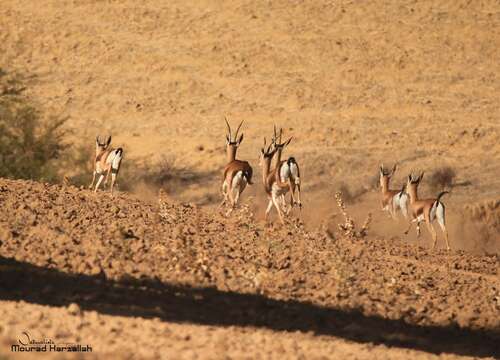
266,154
386,175
277,140
232,143
413,182
100,147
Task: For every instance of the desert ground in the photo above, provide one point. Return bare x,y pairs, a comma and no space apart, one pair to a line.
356,83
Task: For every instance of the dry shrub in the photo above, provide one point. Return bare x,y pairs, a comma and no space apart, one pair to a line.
481,223
349,228
442,178
30,147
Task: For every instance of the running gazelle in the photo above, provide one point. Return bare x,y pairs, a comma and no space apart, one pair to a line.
237,173
426,210
106,160
287,171
273,190
392,200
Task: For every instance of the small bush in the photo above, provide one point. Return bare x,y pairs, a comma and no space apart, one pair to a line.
29,146
442,178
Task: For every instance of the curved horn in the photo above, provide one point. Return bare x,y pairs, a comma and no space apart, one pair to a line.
228,127
275,137
394,169
238,129
281,133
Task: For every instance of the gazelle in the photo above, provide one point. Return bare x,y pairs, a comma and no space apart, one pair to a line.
237,173
106,160
273,190
287,171
392,200
426,210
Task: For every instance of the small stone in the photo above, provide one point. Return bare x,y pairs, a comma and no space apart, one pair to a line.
74,309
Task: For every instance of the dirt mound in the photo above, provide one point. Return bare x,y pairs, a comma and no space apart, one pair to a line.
157,265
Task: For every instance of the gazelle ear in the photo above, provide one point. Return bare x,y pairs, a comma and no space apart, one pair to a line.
97,140
409,178
421,176
227,139
240,139
109,141
381,170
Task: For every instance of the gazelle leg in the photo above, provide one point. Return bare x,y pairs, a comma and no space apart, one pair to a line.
433,233
101,177
409,227
93,179
276,205
392,212
224,194
284,206
445,233
268,210
231,194
291,187
107,177
298,195
418,228
440,218
236,197
113,179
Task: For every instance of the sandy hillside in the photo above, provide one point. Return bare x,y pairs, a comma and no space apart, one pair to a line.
173,280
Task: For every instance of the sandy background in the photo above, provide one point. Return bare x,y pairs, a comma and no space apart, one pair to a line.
356,83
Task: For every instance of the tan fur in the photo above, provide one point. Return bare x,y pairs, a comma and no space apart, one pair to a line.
101,165
387,194
269,180
279,146
233,166
422,207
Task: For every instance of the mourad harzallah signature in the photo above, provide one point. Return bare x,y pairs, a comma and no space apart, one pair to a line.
29,344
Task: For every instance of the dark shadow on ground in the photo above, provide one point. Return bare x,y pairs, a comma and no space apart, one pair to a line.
208,306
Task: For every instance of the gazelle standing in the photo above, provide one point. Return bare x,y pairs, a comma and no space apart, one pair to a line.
106,160
426,210
237,173
392,200
273,190
287,171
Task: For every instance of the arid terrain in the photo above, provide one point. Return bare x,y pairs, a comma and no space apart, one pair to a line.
356,83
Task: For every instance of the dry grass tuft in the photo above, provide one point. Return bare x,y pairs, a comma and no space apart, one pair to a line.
349,227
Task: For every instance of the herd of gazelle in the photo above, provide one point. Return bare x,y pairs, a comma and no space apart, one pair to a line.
418,210
284,177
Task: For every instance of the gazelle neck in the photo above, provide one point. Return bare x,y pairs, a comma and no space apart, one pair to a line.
266,165
278,155
412,191
231,152
384,183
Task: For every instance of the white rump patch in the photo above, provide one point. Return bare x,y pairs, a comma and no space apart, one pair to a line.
294,170
285,172
401,203
239,181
